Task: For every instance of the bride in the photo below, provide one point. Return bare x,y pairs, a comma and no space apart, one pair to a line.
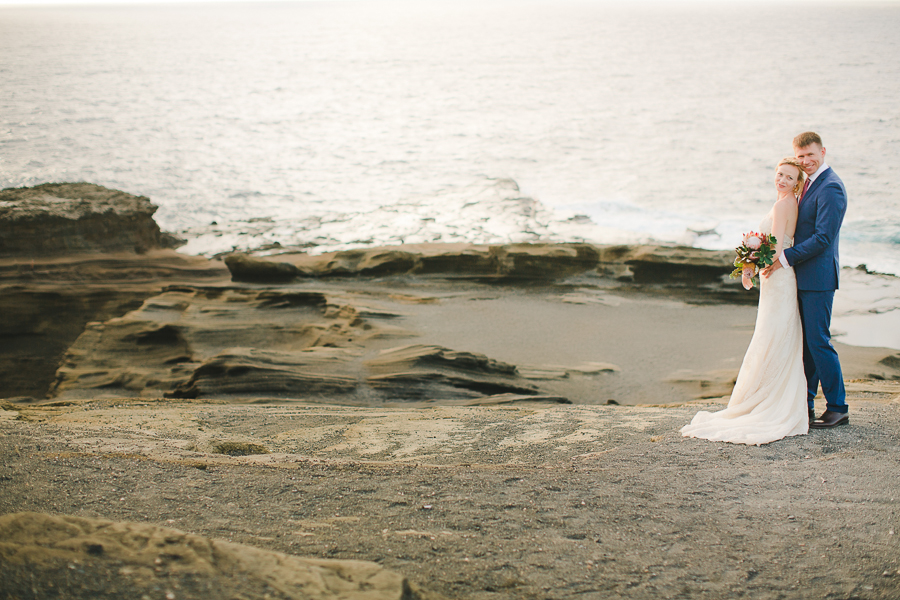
769,398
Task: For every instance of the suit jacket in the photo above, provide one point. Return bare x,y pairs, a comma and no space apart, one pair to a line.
815,252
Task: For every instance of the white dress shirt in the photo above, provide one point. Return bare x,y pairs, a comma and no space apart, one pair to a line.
812,178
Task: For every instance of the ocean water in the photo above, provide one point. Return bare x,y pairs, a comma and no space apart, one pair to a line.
329,125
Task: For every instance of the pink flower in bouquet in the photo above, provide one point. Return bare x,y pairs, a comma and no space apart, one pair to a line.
753,241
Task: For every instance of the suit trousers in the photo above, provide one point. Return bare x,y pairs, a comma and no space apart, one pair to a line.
820,359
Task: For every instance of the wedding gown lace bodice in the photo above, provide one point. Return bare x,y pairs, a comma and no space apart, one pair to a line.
768,402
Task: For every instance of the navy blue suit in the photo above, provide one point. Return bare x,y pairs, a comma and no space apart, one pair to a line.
814,257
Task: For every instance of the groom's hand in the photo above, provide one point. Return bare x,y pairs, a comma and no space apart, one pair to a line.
767,272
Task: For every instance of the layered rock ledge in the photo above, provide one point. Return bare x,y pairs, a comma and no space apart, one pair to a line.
505,262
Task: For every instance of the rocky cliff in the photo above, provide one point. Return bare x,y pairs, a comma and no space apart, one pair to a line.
63,218
71,254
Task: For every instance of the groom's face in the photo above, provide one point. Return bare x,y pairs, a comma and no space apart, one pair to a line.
811,157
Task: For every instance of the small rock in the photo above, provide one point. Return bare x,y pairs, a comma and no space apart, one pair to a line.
244,267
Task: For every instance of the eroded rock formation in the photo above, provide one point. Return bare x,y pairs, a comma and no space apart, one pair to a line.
234,342
46,304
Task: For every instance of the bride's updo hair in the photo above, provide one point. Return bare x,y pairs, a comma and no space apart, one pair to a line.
790,160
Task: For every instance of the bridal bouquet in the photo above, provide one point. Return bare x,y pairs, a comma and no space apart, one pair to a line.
756,251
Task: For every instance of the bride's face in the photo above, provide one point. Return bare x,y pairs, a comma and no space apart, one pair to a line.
786,178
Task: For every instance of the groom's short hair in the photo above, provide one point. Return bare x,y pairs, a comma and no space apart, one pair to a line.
806,138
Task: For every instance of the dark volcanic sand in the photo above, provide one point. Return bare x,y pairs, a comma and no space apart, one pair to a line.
523,502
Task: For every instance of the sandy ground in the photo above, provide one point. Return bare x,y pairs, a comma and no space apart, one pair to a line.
523,501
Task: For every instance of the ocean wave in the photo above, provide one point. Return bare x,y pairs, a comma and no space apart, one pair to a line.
488,211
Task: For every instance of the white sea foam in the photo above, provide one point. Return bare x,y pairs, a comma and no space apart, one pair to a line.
488,211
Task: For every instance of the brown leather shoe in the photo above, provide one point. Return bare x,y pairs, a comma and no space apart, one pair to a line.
830,419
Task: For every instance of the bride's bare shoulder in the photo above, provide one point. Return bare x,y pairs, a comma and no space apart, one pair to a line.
786,206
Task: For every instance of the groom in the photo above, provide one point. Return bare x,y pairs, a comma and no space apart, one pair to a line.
815,261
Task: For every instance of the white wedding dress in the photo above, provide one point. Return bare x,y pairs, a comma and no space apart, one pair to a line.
769,399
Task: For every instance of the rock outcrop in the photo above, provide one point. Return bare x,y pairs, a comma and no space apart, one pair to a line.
676,264
159,346
506,263
420,372
46,303
247,268
65,218
133,560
